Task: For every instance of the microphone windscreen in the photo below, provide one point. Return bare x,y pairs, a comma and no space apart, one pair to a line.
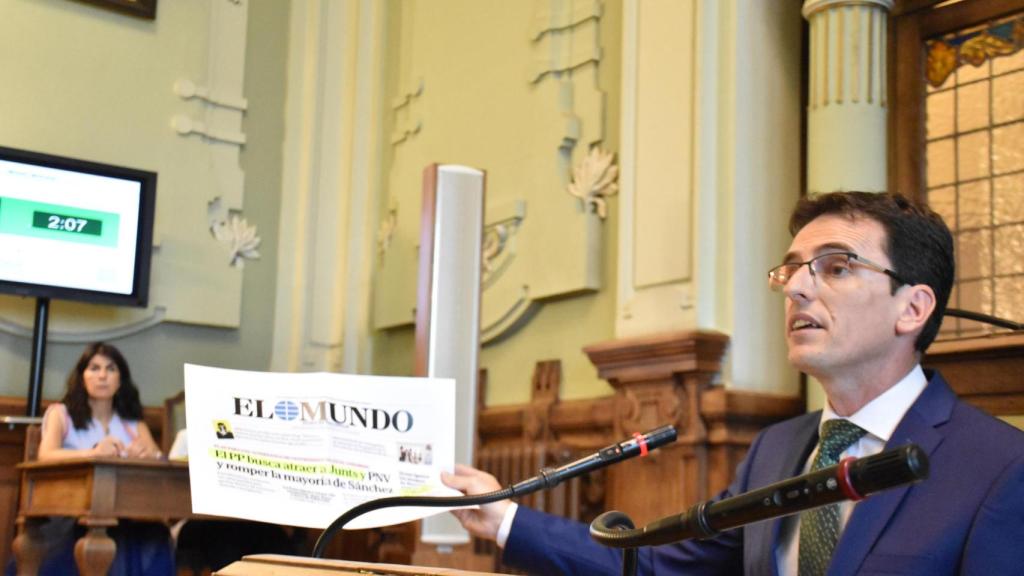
890,468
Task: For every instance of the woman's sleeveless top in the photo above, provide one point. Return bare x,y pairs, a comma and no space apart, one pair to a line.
78,439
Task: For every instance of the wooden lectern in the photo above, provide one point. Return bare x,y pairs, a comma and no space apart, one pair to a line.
274,565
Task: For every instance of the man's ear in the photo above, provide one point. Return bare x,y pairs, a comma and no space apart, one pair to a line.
918,305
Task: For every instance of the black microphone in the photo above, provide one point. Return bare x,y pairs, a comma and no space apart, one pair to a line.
638,445
851,479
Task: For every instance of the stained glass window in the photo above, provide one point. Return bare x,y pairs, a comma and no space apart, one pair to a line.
975,164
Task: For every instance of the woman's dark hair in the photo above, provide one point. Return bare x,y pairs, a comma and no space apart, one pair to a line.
76,399
918,242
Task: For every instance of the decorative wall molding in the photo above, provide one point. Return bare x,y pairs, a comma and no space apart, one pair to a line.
555,16
594,180
561,35
405,97
156,316
529,137
386,228
185,126
233,232
187,89
404,108
225,77
499,234
500,253
565,60
566,52
495,239
240,239
514,317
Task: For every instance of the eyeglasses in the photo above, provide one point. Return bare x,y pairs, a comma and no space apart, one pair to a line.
831,267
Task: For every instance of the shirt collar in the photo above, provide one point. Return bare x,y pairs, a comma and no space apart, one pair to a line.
881,415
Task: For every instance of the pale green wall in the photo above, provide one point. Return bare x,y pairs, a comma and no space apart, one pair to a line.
156,355
562,326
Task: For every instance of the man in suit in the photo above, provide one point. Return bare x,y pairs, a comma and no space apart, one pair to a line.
865,283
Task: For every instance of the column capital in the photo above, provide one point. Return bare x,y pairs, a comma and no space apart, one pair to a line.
659,357
813,6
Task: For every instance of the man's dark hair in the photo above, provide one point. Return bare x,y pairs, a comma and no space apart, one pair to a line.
918,242
76,399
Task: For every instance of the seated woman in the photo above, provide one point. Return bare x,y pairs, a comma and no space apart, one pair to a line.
101,416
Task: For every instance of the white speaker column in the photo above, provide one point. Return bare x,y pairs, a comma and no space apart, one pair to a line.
448,307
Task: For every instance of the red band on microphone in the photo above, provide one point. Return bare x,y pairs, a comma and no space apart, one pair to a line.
843,476
641,440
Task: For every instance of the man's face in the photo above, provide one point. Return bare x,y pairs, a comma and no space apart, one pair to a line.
846,325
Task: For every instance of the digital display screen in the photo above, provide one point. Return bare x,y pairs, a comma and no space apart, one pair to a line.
71,227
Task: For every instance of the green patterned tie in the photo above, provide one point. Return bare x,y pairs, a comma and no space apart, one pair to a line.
819,527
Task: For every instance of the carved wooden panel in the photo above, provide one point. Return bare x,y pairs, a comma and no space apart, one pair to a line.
984,371
662,379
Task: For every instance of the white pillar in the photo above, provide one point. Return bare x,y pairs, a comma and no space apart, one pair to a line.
331,155
847,107
710,168
846,104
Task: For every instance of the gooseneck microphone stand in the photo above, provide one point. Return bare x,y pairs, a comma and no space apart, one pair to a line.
851,479
984,318
638,445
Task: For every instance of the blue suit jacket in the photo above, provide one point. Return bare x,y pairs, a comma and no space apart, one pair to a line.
967,518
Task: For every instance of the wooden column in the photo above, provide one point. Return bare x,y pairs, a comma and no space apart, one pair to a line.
668,379
658,380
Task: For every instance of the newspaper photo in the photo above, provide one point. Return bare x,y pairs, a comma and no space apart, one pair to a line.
301,449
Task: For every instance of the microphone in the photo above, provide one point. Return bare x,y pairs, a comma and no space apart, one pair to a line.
638,445
851,479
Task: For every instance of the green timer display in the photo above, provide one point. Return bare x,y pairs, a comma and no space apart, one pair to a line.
64,223
73,224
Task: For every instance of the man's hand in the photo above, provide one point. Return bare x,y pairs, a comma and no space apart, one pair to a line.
108,447
482,522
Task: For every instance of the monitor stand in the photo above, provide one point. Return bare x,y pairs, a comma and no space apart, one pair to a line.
35,379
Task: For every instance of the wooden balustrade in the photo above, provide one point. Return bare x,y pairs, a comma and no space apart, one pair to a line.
658,380
985,371
664,379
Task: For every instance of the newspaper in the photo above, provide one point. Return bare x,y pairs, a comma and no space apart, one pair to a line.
301,449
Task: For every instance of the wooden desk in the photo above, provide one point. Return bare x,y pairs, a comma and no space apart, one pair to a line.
98,492
274,565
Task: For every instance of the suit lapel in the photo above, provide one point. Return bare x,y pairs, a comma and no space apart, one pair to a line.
871,516
787,463
793,463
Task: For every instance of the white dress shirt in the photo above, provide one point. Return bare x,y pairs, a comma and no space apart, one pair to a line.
879,417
